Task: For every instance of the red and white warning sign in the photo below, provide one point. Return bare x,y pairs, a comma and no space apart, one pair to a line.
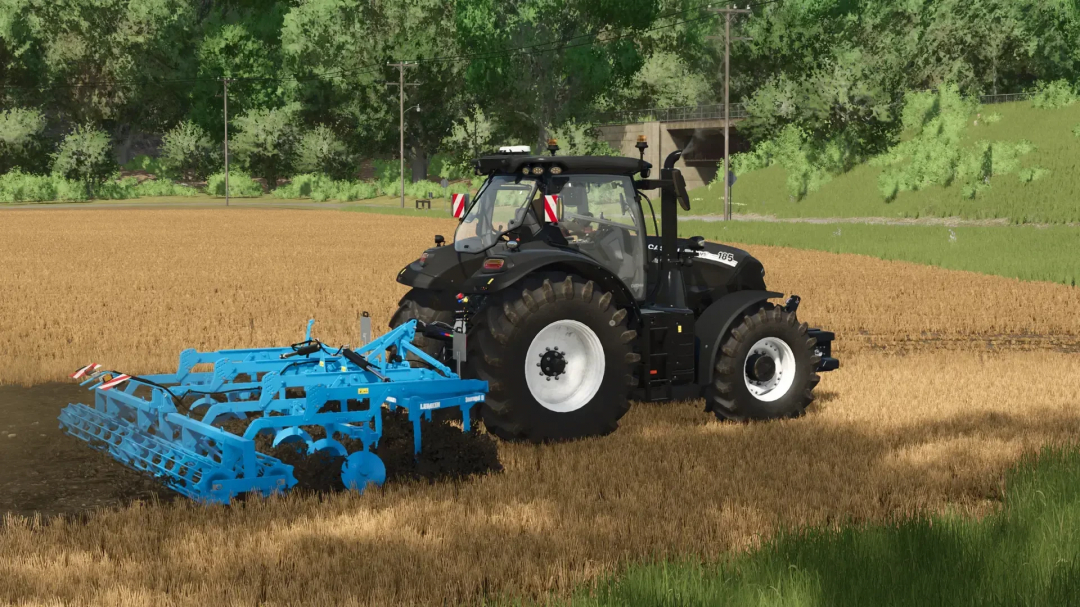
457,205
114,382
85,370
551,209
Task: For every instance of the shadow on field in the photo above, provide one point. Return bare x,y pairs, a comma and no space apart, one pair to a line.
670,482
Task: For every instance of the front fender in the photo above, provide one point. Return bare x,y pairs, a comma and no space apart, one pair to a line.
714,323
522,263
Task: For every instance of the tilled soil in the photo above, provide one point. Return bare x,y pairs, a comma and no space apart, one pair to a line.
44,471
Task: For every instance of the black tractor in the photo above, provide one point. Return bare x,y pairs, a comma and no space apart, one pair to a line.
556,293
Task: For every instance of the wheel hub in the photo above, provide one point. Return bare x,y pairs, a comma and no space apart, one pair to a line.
760,367
552,363
769,370
570,352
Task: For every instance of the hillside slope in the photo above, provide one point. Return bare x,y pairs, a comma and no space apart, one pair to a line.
1054,197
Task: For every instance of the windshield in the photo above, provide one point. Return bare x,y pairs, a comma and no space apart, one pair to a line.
501,205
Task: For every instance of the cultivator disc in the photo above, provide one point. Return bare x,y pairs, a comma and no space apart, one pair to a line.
332,402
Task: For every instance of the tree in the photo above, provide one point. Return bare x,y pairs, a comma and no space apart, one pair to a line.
188,152
321,151
22,142
342,48
98,61
265,142
577,50
85,155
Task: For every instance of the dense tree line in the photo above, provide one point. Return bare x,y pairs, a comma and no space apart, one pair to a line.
308,77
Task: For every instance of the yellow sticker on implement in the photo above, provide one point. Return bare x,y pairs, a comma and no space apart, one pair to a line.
491,281
680,328
322,363
361,390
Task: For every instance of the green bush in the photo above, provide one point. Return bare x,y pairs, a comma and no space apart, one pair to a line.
22,140
1032,174
266,142
932,152
142,162
580,139
130,187
187,152
322,187
1076,130
320,151
1053,95
241,185
16,186
810,164
85,156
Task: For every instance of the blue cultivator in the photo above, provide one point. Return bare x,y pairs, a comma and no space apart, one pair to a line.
286,392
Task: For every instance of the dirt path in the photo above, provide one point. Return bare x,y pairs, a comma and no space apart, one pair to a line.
892,221
336,206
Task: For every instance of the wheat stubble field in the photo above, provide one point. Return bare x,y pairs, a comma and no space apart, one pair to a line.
947,378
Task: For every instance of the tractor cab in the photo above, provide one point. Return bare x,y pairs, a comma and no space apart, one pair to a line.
585,204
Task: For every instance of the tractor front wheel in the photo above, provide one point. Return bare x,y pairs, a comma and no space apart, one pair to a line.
765,369
558,359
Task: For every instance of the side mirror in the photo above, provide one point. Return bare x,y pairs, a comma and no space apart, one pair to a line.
697,243
439,240
680,189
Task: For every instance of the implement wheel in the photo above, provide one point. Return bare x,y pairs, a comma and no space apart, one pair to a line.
557,357
766,368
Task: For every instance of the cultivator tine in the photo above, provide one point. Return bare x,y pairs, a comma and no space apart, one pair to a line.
282,395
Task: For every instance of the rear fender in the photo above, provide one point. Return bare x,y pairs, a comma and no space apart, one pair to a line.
520,264
713,324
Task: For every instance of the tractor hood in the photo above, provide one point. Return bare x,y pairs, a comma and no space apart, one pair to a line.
717,270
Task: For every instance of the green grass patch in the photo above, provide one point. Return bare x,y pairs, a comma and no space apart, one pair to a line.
1045,188
1026,553
1024,252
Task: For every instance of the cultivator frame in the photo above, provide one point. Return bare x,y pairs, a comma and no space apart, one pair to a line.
283,391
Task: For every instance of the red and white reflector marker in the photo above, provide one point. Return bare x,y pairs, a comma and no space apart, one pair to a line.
457,205
114,382
88,369
551,212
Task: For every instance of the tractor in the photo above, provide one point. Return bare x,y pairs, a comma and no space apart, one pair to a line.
558,294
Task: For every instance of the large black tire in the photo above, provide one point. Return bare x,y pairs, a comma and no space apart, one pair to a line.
502,334
730,396
427,306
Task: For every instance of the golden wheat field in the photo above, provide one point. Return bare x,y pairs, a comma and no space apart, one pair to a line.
933,401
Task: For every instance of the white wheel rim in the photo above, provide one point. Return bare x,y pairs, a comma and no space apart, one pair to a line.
783,358
580,380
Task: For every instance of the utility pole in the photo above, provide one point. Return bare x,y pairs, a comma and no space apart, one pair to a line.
225,96
728,13
401,84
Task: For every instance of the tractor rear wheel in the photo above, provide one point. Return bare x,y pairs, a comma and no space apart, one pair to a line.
766,368
558,359
427,306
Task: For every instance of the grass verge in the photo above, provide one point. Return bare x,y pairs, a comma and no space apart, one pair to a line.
1027,553
1024,252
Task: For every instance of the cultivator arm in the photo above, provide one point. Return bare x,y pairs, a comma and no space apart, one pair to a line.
304,392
